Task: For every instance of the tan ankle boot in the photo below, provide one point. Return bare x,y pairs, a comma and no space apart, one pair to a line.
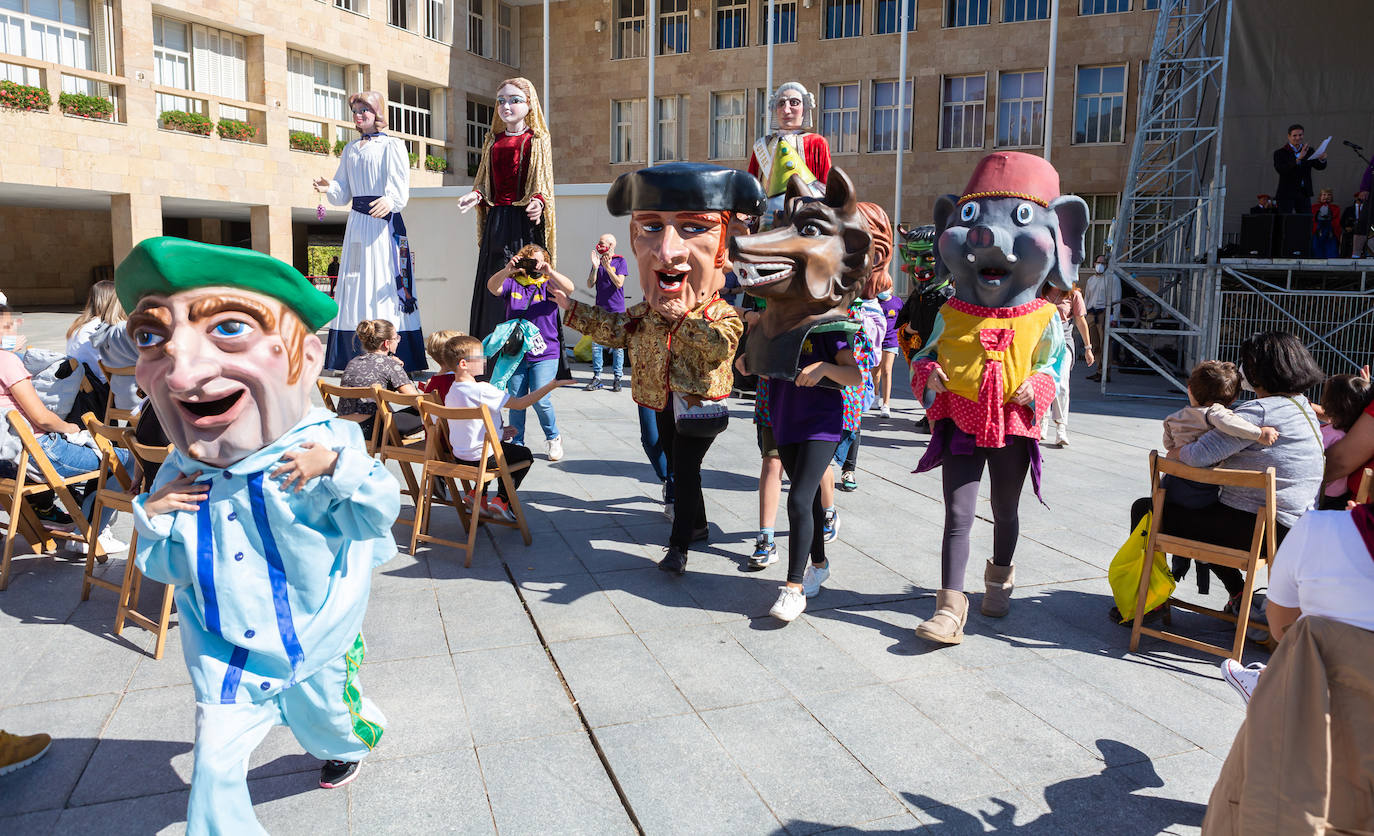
947,625
1000,581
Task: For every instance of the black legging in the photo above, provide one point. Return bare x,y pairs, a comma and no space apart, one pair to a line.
1215,523
685,454
805,463
1007,468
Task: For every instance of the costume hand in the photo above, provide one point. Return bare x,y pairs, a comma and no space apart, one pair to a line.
180,494
379,208
1268,435
811,374
936,381
1024,394
469,200
300,466
535,210
321,184
1088,356
508,434
670,308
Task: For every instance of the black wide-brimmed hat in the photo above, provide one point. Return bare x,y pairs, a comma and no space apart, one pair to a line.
686,187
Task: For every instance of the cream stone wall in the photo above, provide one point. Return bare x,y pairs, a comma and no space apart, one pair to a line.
48,254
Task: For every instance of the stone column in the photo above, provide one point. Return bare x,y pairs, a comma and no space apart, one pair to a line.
133,217
272,231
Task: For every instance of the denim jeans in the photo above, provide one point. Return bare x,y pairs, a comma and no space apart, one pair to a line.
69,459
653,448
528,378
617,360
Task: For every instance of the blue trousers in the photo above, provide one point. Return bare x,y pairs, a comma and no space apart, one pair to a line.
653,448
528,378
326,713
69,459
617,360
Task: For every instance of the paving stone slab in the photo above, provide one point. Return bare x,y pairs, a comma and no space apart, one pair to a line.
423,705
284,803
163,814
75,726
802,659
441,792
404,625
551,785
107,664
147,743
513,693
484,615
571,607
711,668
1003,812
651,600
30,824
615,679
881,638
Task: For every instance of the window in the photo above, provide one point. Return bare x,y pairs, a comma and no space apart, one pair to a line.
962,99
505,38
171,62
1104,7
784,21
669,140
1150,5
194,57
762,118
1100,108
885,16
883,128
398,13
47,31
1102,212
672,27
358,6
478,124
732,24
477,27
1015,11
316,87
1021,109
727,125
843,18
840,117
627,131
966,12
434,20
491,24
408,109
629,29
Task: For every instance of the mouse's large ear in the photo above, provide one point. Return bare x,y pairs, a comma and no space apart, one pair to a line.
1070,233
944,210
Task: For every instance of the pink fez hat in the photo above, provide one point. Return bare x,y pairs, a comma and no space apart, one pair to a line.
1013,174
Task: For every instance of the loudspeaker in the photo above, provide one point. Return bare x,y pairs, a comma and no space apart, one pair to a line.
1294,236
1257,235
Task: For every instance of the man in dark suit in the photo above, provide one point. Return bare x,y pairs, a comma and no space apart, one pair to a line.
1355,226
1264,207
1294,163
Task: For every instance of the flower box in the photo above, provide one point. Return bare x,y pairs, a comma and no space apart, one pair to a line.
235,129
24,97
306,141
186,122
434,163
87,107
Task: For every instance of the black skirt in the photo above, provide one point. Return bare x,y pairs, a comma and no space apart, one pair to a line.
508,229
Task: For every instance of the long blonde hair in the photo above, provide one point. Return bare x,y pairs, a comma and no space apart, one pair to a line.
539,180
102,304
375,101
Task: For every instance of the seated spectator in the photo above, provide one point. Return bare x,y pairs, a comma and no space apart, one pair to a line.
467,437
377,365
1344,398
115,348
1326,223
1279,369
1265,206
102,313
434,347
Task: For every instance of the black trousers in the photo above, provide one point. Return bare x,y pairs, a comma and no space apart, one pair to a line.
685,455
805,463
1215,523
515,454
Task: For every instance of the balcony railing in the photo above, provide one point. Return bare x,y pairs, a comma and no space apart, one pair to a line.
214,108
59,78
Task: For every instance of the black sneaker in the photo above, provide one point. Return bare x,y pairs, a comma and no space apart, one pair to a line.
674,561
335,774
594,385
765,554
615,385
53,517
923,426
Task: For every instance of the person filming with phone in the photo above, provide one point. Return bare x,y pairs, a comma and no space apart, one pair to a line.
607,277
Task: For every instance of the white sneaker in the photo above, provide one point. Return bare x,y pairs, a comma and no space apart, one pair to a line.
110,543
555,448
1062,431
1243,679
884,411
791,603
813,577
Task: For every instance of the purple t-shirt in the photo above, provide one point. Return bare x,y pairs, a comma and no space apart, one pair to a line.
608,296
532,303
809,413
891,307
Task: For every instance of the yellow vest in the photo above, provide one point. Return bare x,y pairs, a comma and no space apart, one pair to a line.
975,335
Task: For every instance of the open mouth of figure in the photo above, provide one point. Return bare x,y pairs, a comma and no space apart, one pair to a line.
992,275
670,282
760,273
206,412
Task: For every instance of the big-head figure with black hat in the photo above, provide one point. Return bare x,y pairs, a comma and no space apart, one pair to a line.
682,337
268,517
993,359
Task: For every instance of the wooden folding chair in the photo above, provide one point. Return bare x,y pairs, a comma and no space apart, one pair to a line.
331,394
22,519
1366,486
440,464
407,450
1262,545
112,412
119,495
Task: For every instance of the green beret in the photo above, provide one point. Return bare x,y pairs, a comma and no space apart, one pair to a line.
170,265
686,187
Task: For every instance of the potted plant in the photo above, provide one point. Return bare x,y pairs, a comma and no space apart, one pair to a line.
339,145
87,107
306,141
436,163
24,97
186,122
236,129
414,159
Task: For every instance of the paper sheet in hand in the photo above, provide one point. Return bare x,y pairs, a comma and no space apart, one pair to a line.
1321,149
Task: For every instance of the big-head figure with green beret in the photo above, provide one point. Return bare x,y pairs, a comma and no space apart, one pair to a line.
268,517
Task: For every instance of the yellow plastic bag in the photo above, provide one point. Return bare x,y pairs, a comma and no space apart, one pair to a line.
1124,574
582,352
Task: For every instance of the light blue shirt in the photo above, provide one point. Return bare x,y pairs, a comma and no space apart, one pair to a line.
271,584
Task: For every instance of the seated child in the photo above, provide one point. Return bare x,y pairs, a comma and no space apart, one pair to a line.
463,356
1212,388
1344,399
434,345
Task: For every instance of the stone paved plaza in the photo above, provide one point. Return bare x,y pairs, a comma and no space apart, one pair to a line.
570,687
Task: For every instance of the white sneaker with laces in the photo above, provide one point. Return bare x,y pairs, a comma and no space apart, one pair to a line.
1243,679
813,577
110,543
555,448
791,603
1062,430
885,411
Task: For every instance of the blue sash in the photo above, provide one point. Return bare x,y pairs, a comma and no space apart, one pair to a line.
403,263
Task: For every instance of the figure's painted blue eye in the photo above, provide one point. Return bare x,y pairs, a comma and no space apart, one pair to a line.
968,212
652,226
148,339
232,328
1025,213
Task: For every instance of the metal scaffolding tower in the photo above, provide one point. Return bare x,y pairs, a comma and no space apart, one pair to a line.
1168,229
